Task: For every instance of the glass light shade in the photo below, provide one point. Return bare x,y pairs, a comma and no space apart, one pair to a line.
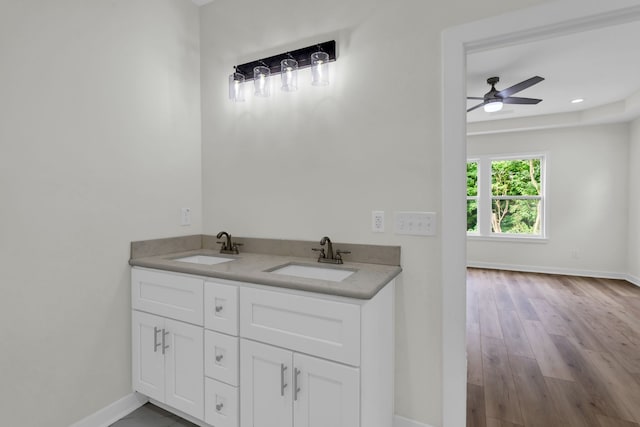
261,81
492,107
289,75
236,87
319,69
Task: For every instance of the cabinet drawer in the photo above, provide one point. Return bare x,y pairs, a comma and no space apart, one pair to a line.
221,407
170,295
221,357
221,307
327,329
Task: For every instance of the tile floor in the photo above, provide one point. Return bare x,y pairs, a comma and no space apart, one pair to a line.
149,415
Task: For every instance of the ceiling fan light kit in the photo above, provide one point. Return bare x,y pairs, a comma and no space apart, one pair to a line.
493,100
493,106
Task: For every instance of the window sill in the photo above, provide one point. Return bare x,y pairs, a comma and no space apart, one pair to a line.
508,238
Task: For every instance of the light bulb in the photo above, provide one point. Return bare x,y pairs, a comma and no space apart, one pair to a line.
289,76
260,81
236,89
493,106
319,69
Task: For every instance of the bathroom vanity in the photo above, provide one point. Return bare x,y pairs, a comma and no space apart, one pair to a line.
264,340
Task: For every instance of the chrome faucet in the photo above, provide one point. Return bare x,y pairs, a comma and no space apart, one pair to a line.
228,247
329,256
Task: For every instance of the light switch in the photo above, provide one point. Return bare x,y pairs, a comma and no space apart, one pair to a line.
416,223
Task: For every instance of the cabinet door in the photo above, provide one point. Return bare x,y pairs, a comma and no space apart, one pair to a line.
184,365
148,361
328,394
265,386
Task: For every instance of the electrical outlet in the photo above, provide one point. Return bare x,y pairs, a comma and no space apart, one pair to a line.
377,221
416,223
185,216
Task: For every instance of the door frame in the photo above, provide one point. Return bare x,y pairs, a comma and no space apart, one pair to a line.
544,21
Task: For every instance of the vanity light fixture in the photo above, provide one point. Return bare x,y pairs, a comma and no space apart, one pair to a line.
287,64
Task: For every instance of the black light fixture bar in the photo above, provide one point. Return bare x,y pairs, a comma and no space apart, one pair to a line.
303,56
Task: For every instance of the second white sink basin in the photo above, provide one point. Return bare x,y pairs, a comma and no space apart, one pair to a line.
311,272
204,259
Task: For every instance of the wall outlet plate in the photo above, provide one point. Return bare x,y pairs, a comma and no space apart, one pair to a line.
377,221
415,223
185,216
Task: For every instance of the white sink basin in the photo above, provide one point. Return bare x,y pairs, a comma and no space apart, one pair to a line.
310,272
204,259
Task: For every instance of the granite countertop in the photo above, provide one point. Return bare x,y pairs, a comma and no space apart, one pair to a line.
367,280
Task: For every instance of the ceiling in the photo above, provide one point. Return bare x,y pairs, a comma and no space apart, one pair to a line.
201,2
601,66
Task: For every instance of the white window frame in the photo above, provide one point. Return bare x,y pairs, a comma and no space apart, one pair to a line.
485,198
476,197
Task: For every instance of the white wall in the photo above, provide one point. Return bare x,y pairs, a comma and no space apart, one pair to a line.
318,161
587,193
633,267
99,146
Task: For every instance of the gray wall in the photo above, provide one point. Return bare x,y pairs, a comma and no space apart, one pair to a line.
587,201
318,161
99,146
100,139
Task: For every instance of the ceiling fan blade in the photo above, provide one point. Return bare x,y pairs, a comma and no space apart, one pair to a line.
477,106
476,97
516,100
518,87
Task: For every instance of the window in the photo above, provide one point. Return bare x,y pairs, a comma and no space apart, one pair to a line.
472,197
505,196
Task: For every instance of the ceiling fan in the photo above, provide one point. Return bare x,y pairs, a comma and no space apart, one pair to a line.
494,99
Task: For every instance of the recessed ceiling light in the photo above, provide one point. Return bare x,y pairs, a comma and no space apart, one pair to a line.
577,101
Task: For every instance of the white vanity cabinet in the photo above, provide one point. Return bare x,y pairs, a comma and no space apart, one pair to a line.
309,360
231,354
167,364
287,389
168,352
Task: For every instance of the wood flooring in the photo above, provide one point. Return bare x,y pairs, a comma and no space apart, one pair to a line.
549,350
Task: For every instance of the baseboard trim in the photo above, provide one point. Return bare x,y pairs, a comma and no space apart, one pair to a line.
633,280
129,403
399,421
112,413
548,270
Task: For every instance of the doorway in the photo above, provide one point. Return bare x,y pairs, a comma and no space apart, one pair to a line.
548,20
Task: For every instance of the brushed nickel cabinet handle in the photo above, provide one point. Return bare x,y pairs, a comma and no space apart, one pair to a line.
283,369
296,389
164,347
219,407
156,344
